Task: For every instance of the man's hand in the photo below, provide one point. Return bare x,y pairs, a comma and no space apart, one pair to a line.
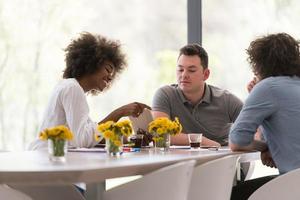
182,139
267,159
209,142
251,84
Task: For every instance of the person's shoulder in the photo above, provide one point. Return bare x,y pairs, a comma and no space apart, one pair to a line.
224,94
279,80
218,92
276,84
268,83
168,88
68,85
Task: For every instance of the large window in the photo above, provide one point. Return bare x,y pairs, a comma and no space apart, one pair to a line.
33,34
230,25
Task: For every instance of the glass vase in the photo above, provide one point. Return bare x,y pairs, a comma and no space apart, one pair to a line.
114,147
163,143
57,149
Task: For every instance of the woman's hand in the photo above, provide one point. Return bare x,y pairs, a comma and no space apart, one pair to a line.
132,109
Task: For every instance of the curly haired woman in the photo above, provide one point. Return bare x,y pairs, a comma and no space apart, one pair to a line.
92,63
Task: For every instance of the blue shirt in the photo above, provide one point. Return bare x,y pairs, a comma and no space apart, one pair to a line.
273,103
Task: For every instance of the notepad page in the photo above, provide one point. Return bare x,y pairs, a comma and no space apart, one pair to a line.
142,120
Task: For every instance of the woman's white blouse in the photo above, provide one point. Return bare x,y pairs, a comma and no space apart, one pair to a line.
68,106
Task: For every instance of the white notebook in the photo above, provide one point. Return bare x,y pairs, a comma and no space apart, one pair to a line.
142,120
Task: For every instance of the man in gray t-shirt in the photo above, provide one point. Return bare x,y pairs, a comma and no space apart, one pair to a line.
212,115
201,108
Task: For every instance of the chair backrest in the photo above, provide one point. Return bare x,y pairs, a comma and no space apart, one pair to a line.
168,183
285,186
50,192
213,180
11,194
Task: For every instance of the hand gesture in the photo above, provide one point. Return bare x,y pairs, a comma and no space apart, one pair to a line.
133,109
267,159
251,84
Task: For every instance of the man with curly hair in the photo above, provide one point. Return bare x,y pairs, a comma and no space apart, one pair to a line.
92,63
273,104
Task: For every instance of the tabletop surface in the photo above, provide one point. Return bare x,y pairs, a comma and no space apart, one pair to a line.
32,167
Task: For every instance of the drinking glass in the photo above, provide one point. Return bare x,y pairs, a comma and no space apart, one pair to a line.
195,140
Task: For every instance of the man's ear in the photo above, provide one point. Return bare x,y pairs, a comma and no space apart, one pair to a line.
206,74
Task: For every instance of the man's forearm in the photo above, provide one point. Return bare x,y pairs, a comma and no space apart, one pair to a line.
182,139
256,145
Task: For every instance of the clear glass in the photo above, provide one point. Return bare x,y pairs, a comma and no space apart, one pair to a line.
114,149
57,149
137,140
164,143
195,140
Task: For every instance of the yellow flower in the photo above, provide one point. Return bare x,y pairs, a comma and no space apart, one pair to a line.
97,137
160,131
104,126
68,135
123,123
43,135
113,130
59,132
108,134
126,131
163,125
117,143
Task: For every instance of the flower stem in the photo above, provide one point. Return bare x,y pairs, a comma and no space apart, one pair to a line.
58,147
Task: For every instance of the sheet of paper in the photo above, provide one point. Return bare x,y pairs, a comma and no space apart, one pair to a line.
179,147
87,150
142,120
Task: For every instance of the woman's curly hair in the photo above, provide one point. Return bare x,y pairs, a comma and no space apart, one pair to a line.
275,55
87,54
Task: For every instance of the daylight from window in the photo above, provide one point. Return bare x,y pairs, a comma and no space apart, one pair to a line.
33,34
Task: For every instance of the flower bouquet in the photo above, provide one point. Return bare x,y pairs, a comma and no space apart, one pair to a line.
162,128
113,133
57,141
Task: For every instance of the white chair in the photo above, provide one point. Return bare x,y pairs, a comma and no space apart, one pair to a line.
45,192
168,183
11,194
213,180
285,186
247,169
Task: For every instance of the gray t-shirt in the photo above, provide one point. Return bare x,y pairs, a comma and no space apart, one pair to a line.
212,116
274,103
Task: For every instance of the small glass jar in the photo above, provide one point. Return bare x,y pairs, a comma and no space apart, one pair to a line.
163,143
57,149
114,147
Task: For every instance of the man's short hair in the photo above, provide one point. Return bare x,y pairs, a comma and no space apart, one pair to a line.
195,49
274,55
